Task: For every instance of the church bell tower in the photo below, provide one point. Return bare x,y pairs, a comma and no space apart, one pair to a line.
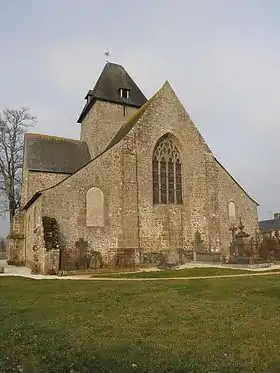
113,99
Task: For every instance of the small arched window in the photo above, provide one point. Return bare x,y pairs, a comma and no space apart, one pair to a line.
167,175
95,208
232,210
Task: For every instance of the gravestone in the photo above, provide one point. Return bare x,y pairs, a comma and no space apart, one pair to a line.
3,253
35,268
243,249
82,261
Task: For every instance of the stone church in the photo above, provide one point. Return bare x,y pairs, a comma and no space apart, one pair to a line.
141,178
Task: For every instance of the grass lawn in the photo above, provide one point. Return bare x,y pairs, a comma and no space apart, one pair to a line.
221,325
187,272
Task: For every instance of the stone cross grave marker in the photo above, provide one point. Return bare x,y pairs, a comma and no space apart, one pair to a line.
82,245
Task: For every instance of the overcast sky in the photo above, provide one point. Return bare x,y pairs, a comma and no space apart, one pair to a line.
222,58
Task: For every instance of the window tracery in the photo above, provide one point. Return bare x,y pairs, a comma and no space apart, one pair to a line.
167,173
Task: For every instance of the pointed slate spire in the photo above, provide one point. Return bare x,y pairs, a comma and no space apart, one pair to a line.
114,85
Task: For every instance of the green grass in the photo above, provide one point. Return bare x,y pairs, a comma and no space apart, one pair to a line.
188,272
221,326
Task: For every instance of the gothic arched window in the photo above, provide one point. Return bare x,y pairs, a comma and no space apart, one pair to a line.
167,177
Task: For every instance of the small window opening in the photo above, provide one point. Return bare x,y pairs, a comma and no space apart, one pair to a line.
124,93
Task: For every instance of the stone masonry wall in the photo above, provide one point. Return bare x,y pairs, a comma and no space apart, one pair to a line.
101,123
246,209
70,212
34,181
174,226
169,227
24,187
129,237
34,241
15,250
124,175
37,257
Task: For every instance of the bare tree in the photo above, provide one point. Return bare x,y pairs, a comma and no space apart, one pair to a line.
13,124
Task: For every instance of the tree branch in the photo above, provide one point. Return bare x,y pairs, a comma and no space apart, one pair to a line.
13,124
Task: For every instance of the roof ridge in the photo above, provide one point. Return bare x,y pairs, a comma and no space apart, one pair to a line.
42,135
114,63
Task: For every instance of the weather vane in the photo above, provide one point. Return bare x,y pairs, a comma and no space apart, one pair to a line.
107,54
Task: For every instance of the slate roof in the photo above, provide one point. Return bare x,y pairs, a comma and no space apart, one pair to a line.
112,78
54,154
269,225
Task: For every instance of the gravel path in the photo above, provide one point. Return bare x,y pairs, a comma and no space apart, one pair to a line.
184,278
26,272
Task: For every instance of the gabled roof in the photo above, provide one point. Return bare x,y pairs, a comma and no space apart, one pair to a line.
269,225
112,78
120,135
54,154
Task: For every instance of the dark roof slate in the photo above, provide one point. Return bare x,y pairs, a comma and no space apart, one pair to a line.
54,154
269,225
112,78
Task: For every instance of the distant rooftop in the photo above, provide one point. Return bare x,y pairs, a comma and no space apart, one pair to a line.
271,224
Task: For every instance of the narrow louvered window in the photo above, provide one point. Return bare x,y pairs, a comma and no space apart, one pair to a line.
124,93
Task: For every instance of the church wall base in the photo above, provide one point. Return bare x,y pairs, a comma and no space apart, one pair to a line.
16,241
16,251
